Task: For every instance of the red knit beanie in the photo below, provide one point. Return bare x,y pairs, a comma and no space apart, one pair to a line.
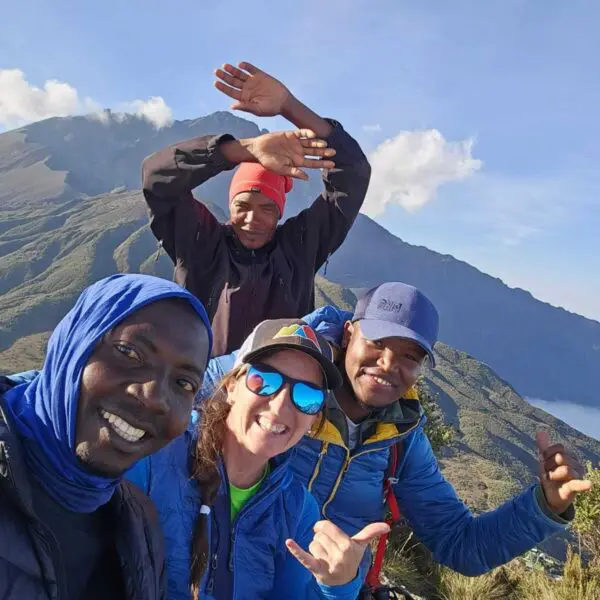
253,177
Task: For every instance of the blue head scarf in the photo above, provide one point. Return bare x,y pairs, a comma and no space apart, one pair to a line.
45,410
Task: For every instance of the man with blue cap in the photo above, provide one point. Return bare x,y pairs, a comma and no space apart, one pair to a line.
373,448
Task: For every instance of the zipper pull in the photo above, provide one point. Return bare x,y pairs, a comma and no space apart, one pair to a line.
322,453
231,551
213,571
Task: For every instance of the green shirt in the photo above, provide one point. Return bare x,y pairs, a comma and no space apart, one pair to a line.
240,496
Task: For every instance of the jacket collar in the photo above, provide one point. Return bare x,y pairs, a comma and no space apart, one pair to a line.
392,420
243,254
274,484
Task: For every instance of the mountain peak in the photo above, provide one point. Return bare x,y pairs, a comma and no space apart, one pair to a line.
46,167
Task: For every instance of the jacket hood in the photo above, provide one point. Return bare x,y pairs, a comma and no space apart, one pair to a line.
44,411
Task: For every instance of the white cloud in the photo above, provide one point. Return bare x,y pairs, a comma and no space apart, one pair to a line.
408,169
372,128
154,110
22,102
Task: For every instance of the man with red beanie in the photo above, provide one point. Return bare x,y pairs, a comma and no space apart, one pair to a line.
252,268
252,180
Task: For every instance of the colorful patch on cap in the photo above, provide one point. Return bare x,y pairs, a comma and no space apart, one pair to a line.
303,331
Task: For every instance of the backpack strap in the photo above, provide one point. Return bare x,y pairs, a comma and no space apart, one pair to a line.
396,454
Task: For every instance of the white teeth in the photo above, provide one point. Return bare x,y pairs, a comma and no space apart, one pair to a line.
123,428
271,427
381,381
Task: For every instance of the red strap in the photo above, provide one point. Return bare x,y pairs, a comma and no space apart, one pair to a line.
372,579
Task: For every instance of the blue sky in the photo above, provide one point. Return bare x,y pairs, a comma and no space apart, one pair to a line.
510,87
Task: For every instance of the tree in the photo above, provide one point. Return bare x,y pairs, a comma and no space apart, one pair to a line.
437,431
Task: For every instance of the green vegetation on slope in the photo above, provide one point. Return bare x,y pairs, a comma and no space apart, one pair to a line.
332,293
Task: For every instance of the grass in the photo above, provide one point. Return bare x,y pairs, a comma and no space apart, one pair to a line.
410,564
497,585
516,582
27,353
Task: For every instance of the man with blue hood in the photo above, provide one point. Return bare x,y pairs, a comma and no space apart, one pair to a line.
120,376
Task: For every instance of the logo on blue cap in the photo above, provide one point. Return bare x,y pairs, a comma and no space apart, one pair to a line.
389,305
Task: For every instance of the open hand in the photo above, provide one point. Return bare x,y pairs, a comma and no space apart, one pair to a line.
333,557
253,90
287,152
561,474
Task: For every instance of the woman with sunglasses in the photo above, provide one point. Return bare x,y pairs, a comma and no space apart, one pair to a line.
237,524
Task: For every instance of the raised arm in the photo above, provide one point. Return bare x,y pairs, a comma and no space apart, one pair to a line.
260,94
321,229
466,543
169,176
176,170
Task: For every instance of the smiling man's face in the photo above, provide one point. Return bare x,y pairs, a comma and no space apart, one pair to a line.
380,371
254,219
138,386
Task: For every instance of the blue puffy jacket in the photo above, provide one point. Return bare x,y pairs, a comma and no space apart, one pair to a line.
248,558
348,485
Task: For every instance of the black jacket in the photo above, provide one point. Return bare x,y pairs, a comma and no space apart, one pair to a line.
29,557
242,287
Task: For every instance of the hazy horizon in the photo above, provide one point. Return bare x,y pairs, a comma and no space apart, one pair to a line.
585,419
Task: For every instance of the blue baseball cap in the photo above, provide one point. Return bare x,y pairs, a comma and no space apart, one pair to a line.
396,309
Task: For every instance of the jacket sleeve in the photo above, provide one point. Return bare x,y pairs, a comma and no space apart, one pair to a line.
177,219
319,230
469,544
295,582
329,322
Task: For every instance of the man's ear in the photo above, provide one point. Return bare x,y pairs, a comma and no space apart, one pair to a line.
348,331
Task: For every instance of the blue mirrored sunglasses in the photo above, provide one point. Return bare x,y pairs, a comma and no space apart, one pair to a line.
267,381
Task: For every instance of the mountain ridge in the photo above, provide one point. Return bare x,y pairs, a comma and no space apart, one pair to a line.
58,177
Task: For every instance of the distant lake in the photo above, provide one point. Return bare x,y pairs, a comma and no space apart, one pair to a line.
583,418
